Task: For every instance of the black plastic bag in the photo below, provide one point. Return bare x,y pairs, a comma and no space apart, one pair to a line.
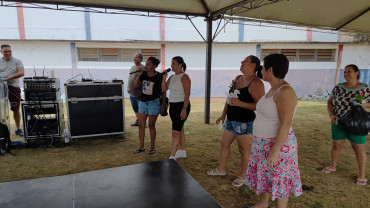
5,142
356,121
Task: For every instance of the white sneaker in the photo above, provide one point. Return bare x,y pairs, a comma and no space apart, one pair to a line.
180,154
172,158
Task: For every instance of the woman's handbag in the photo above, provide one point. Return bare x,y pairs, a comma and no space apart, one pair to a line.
356,121
164,113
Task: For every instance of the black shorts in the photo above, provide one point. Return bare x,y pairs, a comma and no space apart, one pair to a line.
175,111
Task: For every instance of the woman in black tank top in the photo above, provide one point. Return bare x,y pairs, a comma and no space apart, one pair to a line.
240,116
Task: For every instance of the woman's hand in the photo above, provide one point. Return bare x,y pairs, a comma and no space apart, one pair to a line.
365,105
163,108
222,118
272,159
334,119
234,102
183,114
140,73
165,76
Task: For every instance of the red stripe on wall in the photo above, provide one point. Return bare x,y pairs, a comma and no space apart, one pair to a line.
163,38
309,34
339,63
22,33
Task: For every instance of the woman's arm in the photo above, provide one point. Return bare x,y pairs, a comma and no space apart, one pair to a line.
333,118
137,82
186,84
165,82
286,102
223,115
257,90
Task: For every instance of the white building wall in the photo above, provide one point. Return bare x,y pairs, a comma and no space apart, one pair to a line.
51,24
356,54
124,27
40,54
65,25
9,23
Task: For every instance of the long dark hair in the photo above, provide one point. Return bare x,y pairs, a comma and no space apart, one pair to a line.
258,67
180,60
355,68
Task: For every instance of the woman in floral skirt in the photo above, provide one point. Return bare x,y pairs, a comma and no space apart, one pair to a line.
273,162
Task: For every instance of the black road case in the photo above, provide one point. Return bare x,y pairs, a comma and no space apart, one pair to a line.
44,119
95,108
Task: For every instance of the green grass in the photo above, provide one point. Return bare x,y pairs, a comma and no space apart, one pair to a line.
311,125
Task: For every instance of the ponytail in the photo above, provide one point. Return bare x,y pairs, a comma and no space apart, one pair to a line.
180,60
258,67
259,71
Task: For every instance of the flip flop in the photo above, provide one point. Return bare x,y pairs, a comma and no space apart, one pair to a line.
214,172
361,181
137,151
152,151
327,170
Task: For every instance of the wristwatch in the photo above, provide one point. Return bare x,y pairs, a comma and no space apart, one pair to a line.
184,107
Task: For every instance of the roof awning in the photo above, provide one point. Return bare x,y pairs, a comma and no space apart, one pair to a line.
353,15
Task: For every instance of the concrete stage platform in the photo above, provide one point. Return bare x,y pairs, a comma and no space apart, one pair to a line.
159,184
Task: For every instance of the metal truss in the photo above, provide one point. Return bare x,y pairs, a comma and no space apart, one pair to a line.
81,8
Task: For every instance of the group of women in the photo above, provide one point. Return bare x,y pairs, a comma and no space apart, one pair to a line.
270,165
153,101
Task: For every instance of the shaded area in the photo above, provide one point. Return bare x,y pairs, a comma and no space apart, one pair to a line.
156,184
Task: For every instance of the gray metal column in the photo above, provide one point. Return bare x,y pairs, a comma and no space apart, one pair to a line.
208,71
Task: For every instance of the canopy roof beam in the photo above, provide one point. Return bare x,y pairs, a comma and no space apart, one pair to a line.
354,18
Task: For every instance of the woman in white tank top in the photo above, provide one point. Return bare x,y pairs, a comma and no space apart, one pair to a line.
179,86
273,163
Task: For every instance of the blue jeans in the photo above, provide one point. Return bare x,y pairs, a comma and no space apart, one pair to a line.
152,107
135,103
239,128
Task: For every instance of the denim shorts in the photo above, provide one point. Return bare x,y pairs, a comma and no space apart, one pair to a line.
152,107
135,103
239,128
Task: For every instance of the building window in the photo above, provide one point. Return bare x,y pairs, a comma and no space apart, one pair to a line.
291,54
88,54
303,55
325,55
109,54
127,54
115,54
150,52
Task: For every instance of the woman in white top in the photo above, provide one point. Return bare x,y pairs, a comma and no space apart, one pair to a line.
179,86
273,163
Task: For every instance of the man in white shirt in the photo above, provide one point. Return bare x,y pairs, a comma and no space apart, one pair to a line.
11,69
135,93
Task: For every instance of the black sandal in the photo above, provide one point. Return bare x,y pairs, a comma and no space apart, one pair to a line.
137,151
152,151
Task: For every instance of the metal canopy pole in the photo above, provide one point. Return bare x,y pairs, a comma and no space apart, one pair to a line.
207,105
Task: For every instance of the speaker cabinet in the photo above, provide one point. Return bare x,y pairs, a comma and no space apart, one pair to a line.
95,108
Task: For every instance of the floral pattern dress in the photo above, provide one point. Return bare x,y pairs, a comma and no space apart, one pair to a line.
281,180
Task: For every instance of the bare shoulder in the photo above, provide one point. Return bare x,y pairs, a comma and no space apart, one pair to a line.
286,94
185,77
